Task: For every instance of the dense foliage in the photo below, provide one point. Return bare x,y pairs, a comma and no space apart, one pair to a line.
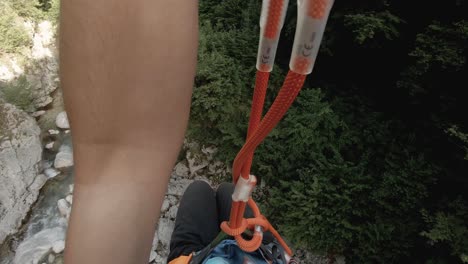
17,21
18,93
371,160
14,13
13,35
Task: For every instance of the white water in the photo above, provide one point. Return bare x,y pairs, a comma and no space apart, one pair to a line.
44,214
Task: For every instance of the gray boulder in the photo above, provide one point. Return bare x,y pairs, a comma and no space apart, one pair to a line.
61,120
43,75
37,247
64,157
20,157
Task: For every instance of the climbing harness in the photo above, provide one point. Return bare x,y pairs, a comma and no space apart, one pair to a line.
311,20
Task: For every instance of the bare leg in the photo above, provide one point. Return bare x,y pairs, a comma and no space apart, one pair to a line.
127,70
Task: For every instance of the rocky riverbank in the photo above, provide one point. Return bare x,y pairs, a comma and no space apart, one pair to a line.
41,236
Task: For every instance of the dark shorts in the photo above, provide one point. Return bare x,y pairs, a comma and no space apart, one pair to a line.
200,214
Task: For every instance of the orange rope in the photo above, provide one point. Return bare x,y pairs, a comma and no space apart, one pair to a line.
257,133
261,83
274,18
291,87
259,129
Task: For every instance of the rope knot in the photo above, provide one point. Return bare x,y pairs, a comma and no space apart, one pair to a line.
234,231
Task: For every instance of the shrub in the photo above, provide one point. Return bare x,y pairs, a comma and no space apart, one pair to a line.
50,10
12,33
366,26
343,187
449,228
462,138
18,93
223,88
36,10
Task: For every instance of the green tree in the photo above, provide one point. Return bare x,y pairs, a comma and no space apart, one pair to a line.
352,165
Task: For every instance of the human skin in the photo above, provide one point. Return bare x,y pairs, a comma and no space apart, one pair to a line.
127,70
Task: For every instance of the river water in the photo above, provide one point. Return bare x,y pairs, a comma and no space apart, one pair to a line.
44,217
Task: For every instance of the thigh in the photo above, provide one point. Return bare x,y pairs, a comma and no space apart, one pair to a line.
196,222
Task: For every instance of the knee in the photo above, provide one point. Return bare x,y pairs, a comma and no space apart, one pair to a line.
225,188
199,187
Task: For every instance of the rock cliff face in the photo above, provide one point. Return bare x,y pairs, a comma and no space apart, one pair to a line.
20,157
43,75
39,64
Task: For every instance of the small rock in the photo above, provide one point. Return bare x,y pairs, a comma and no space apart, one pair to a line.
62,120
58,247
216,168
160,259
195,162
63,208
38,182
63,159
38,113
177,187
70,187
6,74
69,198
67,131
51,172
165,229
51,258
53,131
165,206
209,150
172,200
181,169
172,213
47,164
155,241
50,145
66,148
37,247
152,256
